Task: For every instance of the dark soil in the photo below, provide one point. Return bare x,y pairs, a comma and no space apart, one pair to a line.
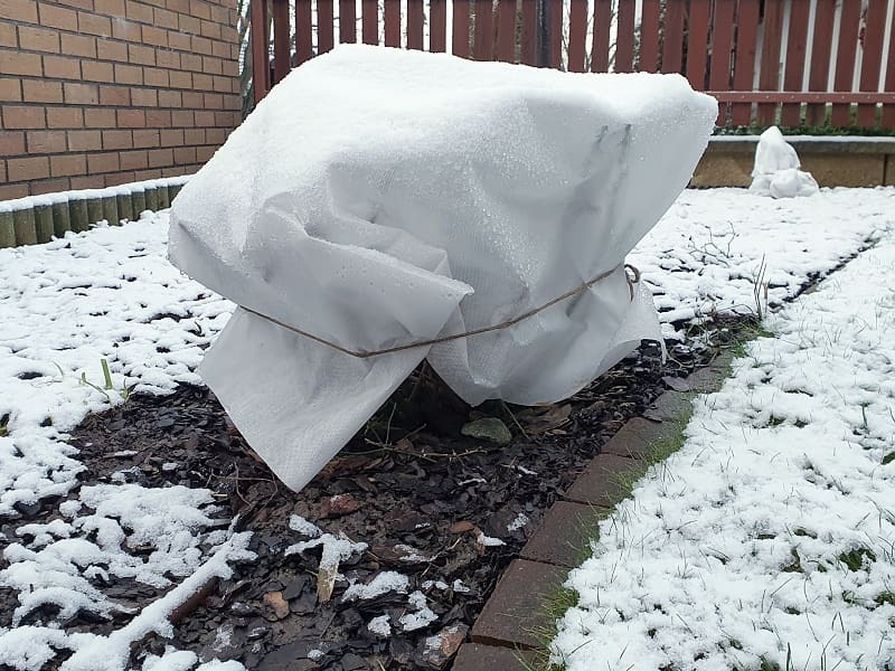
409,478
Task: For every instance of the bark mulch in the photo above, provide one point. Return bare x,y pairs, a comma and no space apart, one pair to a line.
410,478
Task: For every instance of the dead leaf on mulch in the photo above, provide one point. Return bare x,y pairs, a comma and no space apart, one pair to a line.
541,420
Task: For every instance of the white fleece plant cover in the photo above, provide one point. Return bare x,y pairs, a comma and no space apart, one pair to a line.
378,197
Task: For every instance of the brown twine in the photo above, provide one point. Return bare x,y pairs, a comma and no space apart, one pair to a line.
632,279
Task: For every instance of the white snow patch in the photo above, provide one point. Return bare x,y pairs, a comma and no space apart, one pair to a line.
382,583
380,626
519,522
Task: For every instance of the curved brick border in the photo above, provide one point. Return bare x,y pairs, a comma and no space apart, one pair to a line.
505,636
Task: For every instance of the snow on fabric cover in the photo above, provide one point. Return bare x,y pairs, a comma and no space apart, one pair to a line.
378,197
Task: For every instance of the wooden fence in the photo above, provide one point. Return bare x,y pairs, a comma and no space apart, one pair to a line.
791,62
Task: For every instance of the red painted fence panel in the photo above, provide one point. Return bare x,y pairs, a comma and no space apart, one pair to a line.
728,47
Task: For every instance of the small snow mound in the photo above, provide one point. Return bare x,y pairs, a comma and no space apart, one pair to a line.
387,581
380,626
776,171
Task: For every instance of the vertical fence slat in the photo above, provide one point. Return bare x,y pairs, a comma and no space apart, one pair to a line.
599,56
744,61
260,60
347,21
415,19
888,116
529,32
822,41
649,36
506,30
722,34
697,43
281,38
370,21
554,25
325,26
769,76
483,38
796,44
460,36
624,40
437,25
303,28
392,19
874,33
577,35
845,60
673,36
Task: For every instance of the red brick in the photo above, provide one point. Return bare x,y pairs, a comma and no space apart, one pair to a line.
220,14
638,438
79,45
194,136
192,99
81,94
478,657
165,19
126,30
10,89
204,153
182,118
204,118
80,4
46,141
202,82
113,8
229,68
137,11
118,139
169,99
144,97
178,40
140,54
563,536
64,117
115,95
134,160
211,30
221,50
97,71
131,118
119,178
111,51
216,136
19,10
191,62
18,63
8,35
603,481
201,45
155,36
41,91
188,24
12,143
167,59
184,155
228,34
38,39
15,117
51,186
156,77
105,162
128,74
62,67
10,191
144,139
158,118
212,66
171,138
68,164
213,101
84,140
200,9
99,117
57,17
36,167
142,175
515,612
93,24
88,182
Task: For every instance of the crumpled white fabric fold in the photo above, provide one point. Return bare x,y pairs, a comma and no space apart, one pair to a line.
378,197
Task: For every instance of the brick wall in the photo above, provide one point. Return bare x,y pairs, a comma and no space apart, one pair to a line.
95,93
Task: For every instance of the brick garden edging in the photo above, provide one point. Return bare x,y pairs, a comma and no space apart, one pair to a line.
505,636
36,219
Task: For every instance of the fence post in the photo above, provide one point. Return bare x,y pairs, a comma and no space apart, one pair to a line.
260,59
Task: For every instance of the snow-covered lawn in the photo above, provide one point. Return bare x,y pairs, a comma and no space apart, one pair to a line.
110,295
768,540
